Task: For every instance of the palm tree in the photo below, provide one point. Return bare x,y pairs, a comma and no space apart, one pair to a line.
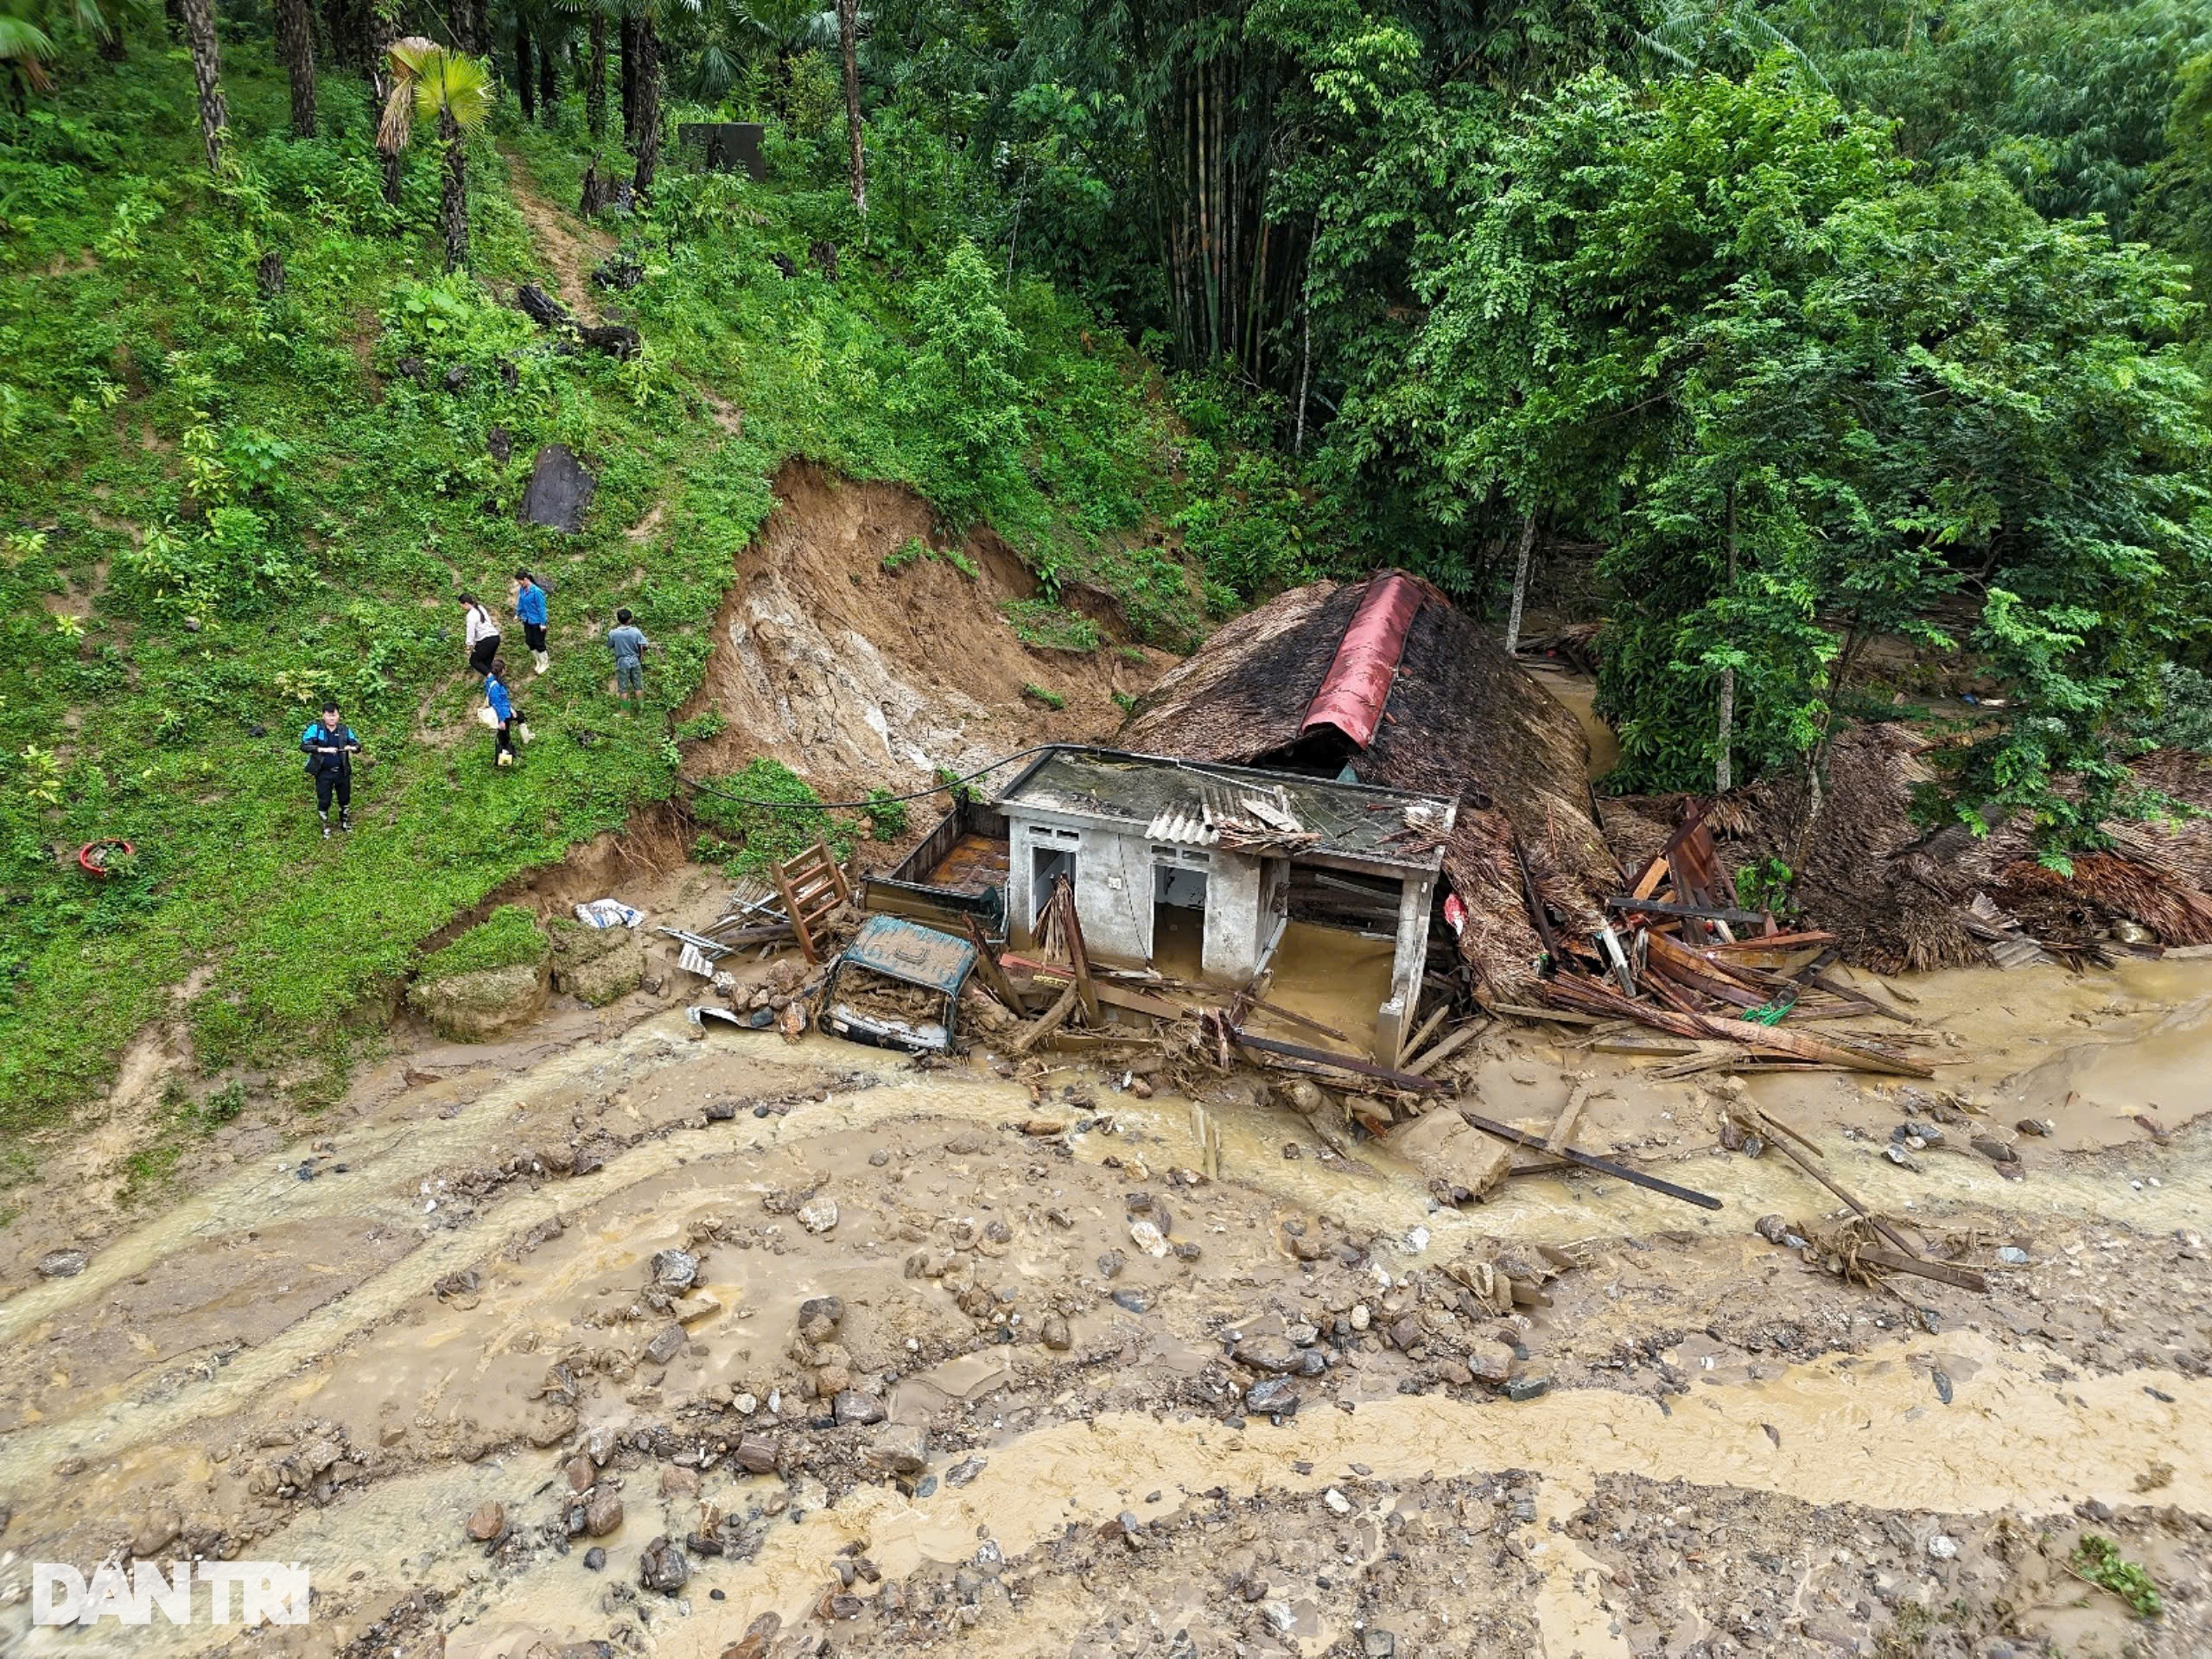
646,142
206,74
381,27
435,83
296,43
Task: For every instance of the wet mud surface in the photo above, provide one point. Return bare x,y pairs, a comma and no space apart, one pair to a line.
689,1345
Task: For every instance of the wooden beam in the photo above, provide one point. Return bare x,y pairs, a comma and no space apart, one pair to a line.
993,976
1601,1166
1700,913
1452,1042
1047,1022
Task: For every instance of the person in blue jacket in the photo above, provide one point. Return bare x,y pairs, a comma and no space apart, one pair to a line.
503,706
529,606
330,745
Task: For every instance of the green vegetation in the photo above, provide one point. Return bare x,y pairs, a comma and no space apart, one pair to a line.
508,936
747,839
914,548
1051,699
2098,1560
886,819
1040,623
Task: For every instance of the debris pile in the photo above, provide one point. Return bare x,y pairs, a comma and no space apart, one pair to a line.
1726,988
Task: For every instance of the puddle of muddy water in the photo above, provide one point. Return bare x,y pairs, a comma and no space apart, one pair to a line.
1578,693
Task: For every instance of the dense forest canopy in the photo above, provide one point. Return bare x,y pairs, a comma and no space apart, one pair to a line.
1781,334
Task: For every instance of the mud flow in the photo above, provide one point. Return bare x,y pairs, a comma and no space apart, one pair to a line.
624,1338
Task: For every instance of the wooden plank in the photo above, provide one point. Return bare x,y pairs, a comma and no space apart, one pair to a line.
1047,1022
1452,1042
1701,913
1588,1160
1281,1012
1569,1118
1593,997
1342,1062
1556,1016
987,969
1428,1028
1078,958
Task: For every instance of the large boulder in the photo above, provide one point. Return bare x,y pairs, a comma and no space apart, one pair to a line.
597,964
558,491
478,1007
1459,1162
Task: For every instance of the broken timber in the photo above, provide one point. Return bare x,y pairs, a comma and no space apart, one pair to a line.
1488,1126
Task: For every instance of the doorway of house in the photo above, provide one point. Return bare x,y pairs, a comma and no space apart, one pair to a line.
1047,864
1179,921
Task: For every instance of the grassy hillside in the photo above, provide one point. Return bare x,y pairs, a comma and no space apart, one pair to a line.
224,503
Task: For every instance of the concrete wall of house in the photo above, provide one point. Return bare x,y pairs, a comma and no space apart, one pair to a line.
1114,889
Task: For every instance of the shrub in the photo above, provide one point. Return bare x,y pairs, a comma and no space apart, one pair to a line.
759,835
886,819
1044,626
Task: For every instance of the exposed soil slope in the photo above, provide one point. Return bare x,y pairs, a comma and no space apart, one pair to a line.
858,675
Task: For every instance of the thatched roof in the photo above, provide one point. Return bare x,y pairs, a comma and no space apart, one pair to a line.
1462,719
1898,897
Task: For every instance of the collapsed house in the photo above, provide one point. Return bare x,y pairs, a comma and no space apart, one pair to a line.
1385,683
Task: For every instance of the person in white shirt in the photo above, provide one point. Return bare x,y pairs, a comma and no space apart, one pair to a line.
483,635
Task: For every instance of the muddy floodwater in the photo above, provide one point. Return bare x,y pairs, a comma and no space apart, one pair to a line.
526,1348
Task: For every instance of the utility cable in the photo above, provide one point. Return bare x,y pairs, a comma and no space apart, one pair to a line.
945,788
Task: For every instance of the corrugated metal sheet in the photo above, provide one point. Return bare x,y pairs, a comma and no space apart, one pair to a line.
1359,681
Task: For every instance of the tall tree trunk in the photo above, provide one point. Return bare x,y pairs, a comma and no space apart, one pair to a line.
337,31
525,74
595,77
848,28
549,84
172,15
112,49
296,39
1519,583
380,27
629,45
466,35
1722,772
206,74
648,144
453,209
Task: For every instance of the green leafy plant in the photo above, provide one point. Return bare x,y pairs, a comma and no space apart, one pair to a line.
1046,627
2097,1559
765,834
1052,699
700,727
1765,885
886,819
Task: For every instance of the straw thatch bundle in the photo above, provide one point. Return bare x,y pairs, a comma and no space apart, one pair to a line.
1462,720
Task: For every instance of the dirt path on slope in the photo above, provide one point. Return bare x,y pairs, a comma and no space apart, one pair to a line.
570,249
1126,1409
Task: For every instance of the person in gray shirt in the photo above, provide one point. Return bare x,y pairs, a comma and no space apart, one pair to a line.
627,641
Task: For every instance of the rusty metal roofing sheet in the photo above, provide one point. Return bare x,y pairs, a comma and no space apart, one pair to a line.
1359,681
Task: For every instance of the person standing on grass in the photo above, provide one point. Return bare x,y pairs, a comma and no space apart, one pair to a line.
530,606
627,641
483,634
503,706
330,747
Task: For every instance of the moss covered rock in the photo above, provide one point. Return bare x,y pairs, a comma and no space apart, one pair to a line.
597,964
476,1006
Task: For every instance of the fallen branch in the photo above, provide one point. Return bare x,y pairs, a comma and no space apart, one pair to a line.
1589,1161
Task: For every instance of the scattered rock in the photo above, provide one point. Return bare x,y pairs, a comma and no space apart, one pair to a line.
595,1557
1111,1263
900,1449
1527,1388
475,1008
488,1522
819,1216
662,1568
2012,1255
1056,1335
61,1264
672,1269
1274,1396
2038,1126
1147,1237
667,1343
603,1515
1338,1503
820,1318
853,1407
1996,1151
1943,1547
1136,1301
1265,1353
155,1533
756,1454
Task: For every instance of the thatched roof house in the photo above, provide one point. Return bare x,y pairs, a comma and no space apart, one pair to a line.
1386,677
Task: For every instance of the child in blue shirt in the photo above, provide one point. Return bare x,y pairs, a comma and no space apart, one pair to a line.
503,706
